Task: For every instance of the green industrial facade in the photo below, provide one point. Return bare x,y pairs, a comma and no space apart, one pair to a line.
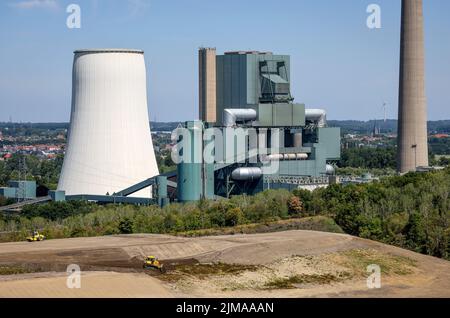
238,78
253,97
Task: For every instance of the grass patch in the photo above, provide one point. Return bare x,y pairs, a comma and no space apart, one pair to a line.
13,270
288,273
203,271
359,259
314,223
291,282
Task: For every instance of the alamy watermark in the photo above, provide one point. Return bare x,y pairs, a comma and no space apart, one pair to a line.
228,146
74,278
374,19
374,279
74,19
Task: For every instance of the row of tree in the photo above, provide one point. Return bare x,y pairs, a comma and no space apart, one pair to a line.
385,158
411,211
72,219
369,158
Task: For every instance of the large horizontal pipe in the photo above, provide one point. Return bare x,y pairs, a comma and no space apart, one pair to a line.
231,116
246,174
318,116
283,157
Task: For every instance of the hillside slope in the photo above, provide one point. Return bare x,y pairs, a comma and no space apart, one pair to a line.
282,264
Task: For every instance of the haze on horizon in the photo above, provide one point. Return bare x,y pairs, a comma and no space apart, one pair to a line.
337,62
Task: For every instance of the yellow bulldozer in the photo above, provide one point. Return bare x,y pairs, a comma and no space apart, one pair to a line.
35,237
152,262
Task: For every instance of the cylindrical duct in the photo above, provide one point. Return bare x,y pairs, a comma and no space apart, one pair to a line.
190,175
282,157
318,116
231,116
290,156
109,143
246,174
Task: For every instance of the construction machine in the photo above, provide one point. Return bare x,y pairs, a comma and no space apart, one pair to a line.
35,237
153,263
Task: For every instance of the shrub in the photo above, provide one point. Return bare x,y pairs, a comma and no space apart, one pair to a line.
233,217
295,206
126,226
193,220
172,223
58,210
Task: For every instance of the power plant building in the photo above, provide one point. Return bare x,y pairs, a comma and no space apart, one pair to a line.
253,96
109,142
412,115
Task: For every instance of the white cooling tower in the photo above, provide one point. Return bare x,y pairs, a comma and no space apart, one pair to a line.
109,143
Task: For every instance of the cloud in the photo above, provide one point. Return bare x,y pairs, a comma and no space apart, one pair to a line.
35,4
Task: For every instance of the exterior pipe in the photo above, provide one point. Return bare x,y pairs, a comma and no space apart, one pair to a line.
285,157
246,174
231,116
318,116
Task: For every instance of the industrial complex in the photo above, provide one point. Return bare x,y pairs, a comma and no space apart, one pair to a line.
258,124
251,135
259,194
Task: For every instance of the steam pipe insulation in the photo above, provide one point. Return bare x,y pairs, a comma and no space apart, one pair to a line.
318,116
231,116
246,174
282,157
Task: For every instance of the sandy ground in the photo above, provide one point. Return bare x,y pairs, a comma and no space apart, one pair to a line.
93,285
112,267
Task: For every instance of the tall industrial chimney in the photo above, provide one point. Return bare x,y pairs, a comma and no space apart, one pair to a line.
207,84
412,115
109,144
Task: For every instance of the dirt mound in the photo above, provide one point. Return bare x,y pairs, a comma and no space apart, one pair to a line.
288,264
93,284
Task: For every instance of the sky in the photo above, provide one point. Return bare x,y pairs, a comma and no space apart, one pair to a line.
337,62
